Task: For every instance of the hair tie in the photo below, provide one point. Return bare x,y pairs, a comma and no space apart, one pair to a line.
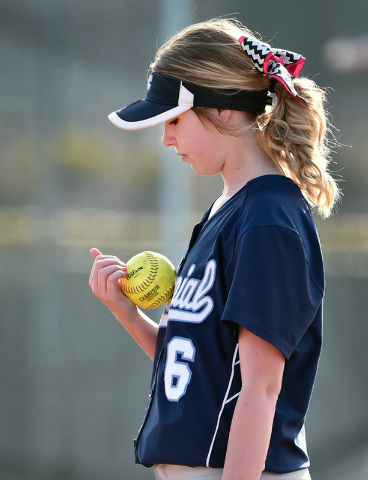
280,65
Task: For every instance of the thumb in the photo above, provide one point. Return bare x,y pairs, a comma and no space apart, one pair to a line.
95,252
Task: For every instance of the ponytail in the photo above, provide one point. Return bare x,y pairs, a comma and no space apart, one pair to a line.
295,136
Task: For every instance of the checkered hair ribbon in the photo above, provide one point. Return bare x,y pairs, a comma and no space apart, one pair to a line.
281,65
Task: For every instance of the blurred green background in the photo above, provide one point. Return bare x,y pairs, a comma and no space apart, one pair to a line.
73,385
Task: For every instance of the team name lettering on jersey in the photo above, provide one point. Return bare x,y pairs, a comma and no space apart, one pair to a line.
190,302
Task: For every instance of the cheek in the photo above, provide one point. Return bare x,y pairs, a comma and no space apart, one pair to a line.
213,151
210,160
205,145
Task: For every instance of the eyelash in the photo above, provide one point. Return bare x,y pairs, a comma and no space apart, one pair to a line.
174,121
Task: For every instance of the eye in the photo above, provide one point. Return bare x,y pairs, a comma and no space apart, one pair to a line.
174,121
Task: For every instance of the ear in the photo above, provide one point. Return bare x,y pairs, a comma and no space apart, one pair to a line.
223,115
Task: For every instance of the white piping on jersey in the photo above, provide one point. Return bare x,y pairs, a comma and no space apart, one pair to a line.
232,398
225,401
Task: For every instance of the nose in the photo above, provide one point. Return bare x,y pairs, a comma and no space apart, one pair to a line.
168,139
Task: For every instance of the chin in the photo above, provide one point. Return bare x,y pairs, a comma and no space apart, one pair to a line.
206,172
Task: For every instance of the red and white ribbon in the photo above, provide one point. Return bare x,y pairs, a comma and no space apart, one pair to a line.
282,65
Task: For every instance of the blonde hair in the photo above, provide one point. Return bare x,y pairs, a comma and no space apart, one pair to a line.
208,54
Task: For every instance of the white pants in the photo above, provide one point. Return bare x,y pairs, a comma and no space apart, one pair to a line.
178,472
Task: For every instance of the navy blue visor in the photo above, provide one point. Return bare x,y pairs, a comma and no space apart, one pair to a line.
168,97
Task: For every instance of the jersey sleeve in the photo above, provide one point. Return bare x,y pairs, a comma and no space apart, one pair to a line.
271,292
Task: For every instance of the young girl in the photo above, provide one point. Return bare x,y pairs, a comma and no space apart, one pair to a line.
236,352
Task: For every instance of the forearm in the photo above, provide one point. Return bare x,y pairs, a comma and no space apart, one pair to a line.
104,281
249,435
139,326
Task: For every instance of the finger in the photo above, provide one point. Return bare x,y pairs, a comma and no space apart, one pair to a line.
95,253
106,271
105,277
102,267
114,278
104,260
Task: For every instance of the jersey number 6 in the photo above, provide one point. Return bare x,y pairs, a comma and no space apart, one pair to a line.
178,372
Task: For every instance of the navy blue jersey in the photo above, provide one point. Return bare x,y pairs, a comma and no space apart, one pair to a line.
256,263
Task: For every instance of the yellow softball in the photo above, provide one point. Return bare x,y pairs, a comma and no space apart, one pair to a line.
150,280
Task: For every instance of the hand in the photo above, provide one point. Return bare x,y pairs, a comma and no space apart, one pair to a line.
104,282
106,272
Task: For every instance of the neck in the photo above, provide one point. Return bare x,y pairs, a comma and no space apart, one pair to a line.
244,162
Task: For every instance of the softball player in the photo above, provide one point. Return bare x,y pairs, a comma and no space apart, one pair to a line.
236,352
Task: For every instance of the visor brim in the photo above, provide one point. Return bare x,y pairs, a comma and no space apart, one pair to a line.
145,114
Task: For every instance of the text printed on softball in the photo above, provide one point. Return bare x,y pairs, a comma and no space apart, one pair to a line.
190,302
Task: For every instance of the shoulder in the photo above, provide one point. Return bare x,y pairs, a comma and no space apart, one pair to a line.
267,201
277,217
274,200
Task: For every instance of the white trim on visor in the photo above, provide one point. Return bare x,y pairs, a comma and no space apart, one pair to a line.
186,98
185,102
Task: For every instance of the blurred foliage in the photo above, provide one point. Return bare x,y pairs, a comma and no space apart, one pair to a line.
98,172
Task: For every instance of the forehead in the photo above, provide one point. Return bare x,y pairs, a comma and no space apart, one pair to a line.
186,118
197,125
